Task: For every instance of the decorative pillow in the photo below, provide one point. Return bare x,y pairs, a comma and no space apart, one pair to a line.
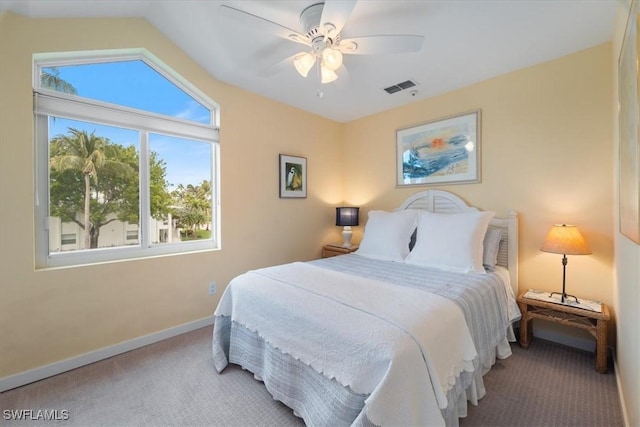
491,248
387,235
451,242
412,240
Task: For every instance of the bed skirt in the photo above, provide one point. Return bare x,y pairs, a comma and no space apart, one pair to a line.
318,400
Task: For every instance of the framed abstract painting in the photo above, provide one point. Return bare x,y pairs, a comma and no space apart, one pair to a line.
443,151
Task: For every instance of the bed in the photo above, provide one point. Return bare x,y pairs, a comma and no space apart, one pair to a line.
400,332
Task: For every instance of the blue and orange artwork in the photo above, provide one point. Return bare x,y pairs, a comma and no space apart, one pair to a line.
440,152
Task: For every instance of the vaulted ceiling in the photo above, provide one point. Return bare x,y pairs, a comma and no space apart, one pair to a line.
465,41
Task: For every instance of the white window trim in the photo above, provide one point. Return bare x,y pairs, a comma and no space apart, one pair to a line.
52,59
48,102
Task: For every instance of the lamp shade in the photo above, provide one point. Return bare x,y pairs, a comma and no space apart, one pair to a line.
346,216
565,239
327,75
331,58
303,63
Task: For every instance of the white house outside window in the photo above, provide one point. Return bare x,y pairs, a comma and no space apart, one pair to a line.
126,160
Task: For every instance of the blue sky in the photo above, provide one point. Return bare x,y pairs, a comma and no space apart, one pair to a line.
135,84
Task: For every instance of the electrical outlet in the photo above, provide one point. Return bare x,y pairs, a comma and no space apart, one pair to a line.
212,288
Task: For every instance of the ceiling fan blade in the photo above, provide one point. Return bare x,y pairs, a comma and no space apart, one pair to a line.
262,24
376,45
336,13
278,67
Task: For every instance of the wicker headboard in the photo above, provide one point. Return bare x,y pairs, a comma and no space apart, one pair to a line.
440,201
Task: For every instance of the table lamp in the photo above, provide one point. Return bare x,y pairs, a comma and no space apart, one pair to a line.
347,217
566,240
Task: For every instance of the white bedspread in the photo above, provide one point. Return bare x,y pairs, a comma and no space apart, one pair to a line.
374,337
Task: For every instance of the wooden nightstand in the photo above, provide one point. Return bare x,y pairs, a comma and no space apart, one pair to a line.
337,249
593,322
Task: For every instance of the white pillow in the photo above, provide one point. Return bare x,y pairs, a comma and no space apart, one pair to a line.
387,235
451,242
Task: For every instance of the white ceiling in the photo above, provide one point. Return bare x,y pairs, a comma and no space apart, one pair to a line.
465,41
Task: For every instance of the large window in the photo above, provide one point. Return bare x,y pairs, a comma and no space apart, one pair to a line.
126,160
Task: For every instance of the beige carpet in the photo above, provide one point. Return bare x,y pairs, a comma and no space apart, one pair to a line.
548,385
173,383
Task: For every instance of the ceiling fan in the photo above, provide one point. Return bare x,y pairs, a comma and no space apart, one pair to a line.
323,25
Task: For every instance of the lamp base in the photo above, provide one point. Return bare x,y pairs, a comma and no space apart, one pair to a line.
346,236
565,296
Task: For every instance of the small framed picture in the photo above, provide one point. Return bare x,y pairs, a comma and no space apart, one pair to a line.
293,176
443,151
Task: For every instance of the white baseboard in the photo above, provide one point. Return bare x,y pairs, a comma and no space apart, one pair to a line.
625,415
42,372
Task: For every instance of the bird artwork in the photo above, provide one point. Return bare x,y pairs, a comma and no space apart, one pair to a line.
290,175
294,178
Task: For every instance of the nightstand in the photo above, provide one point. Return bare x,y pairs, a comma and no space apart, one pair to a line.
593,322
337,249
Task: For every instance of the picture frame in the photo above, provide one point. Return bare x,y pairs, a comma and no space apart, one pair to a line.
439,152
629,148
293,176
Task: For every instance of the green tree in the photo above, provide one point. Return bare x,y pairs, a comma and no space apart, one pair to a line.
84,152
115,196
50,78
192,206
161,200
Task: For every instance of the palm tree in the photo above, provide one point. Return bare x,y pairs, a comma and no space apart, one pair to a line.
205,187
192,205
50,78
84,152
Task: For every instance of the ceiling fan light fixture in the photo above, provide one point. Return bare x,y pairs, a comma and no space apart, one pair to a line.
327,75
331,58
322,25
304,63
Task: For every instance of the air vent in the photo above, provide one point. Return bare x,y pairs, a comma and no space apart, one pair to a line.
400,86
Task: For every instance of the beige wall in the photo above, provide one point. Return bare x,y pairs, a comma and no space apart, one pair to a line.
546,153
627,270
47,316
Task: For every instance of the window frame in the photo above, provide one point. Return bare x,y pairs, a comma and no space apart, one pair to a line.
48,102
